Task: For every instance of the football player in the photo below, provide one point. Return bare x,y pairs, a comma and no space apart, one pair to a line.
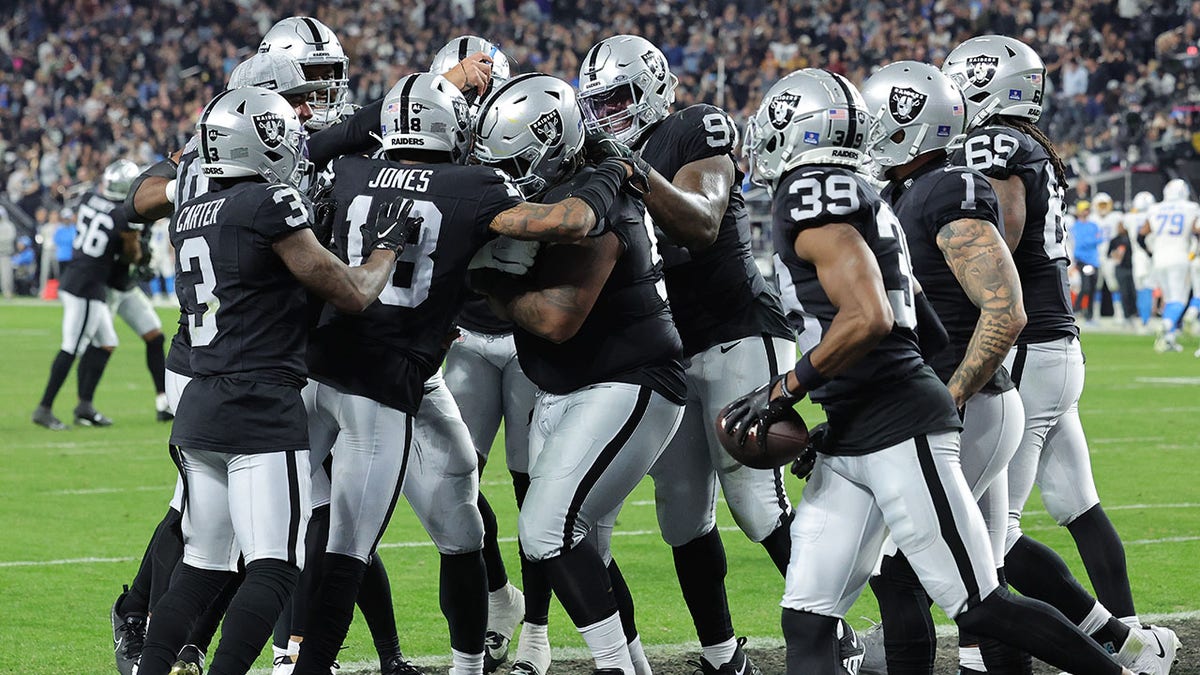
729,319
892,463
483,375
241,282
594,333
1109,221
1003,81
104,239
1135,218
1170,230
376,388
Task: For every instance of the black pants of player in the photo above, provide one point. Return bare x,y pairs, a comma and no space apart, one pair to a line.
1084,301
1128,291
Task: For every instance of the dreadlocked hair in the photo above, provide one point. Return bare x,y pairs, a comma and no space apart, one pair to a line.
1060,171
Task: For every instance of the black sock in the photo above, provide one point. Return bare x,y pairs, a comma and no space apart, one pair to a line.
779,544
252,614
91,368
497,576
909,641
167,551
624,600
330,613
1111,635
283,625
206,626
700,567
375,602
999,658
1038,572
462,590
156,362
137,600
580,580
1103,556
316,539
59,369
1039,629
812,644
193,590
534,583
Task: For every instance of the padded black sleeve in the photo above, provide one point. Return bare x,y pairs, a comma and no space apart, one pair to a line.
163,169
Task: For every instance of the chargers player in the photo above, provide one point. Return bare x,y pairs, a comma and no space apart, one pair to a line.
1170,230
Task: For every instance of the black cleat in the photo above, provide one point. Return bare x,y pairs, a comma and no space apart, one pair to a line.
87,416
738,664
44,417
396,665
164,416
191,661
129,635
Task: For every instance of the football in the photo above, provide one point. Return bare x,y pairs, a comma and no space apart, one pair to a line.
786,439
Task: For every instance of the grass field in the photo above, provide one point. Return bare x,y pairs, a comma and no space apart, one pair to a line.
77,508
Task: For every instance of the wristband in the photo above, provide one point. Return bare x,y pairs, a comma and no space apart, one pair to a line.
170,188
602,187
786,393
807,375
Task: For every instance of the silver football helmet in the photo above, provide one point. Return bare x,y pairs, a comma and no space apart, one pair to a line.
426,112
915,109
999,76
625,86
252,132
460,48
532,129
118,177
815,117
321,56
276,71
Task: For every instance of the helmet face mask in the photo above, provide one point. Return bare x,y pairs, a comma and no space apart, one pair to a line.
625,87
320,54
532,129
252,131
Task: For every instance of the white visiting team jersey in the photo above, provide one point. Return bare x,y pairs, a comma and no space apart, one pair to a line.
1109,223
1141,261
1171,231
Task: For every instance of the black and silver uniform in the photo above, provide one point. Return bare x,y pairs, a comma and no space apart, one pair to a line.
629,335
388,351
477,316
925,202
352,135
98,244
717,294
245,316
890,395
190,182
1001,152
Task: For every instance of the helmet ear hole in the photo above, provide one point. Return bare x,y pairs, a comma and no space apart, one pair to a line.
898,136
771,143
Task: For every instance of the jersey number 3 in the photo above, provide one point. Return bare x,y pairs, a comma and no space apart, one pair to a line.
410,284
195,256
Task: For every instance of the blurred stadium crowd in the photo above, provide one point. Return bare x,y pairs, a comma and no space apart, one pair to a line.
83,82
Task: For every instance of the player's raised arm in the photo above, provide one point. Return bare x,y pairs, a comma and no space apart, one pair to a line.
152,195
573,218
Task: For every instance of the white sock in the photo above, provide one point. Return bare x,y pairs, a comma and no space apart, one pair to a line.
534,646
641,665
462,663
606,639
160,402
971,657
276,652
1095,620
293,647
1131,621
719,654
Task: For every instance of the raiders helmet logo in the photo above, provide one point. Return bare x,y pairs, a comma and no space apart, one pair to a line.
782,108
981,69
462,112
906,104
548,127
270,128
655,63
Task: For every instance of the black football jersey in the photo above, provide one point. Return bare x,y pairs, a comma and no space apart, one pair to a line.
350,136
889,395
388,351
190,182
98,228
925,202
477,316
245,319
717,294
629,336
1001,152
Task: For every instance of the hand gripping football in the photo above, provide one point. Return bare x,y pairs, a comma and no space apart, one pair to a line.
785,441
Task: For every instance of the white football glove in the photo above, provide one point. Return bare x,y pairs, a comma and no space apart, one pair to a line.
508,255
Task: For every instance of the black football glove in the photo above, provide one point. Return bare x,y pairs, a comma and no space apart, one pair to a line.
820,439
393,227
599,145
324,208
757,409
142,271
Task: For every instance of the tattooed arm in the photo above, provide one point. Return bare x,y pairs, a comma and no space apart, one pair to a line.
568,220
981,262
350,289
566,282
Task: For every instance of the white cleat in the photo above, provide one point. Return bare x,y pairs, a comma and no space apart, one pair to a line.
283,665
1149,650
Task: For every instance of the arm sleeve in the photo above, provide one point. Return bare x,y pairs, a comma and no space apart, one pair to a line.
163,169
348,137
